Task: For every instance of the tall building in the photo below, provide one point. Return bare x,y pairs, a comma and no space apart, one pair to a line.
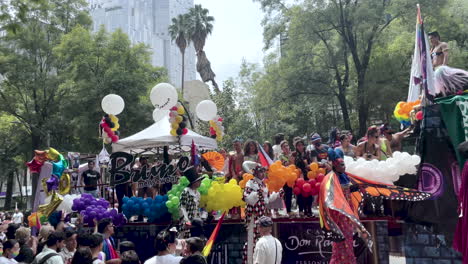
147,21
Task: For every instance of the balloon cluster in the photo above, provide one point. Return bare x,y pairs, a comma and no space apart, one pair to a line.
178,120
205,185
112,105
91,208
216,128
315,171
245,178
223,196
35,218
402,111
308,188
163,96
388,171
173,201
109,126
278,175
67,203
154,209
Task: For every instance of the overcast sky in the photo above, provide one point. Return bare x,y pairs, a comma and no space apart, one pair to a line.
237,34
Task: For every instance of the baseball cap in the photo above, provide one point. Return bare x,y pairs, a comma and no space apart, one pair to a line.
265,221
315,137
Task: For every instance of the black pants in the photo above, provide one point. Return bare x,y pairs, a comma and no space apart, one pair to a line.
305,204
122,190
288,192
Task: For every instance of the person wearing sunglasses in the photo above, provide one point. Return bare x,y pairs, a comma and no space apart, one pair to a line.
370,149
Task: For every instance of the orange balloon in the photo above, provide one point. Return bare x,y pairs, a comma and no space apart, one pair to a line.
321,170
314,166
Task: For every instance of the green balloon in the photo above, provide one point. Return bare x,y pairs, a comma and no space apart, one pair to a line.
175,201
179,193
169,204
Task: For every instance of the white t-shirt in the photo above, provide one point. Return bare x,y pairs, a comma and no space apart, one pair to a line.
166,259
277,151
4,260
17,218
266,251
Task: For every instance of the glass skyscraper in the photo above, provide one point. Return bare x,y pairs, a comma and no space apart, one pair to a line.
147,21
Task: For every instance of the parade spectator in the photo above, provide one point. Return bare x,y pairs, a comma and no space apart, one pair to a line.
90,179
18,217
384,141
193,251
268,249
44,233
439,50
11,230
277,147
190,202
236,161
10,251
96,245
226,157
268,149
346,146
285,158
165,245
55,242
318,151
130,257
70,246
395,138
126,246
28,245
251,151
301,158
82,256
370,148
83,240
106,228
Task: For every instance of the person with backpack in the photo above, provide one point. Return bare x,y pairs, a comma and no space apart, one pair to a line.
55,242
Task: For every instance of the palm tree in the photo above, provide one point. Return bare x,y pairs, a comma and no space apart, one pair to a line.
199,28
178,31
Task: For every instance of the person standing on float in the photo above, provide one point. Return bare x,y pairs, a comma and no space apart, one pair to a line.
256,197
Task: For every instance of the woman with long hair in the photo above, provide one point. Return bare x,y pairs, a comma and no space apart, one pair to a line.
302,159
370,148
285,158
346,146
250,151
269,149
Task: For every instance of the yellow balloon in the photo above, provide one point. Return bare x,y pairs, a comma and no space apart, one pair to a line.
173,132
212,123
181,110
179,119
64,184
53,154
175,126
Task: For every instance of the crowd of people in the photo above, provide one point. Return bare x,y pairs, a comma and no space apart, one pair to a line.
66,243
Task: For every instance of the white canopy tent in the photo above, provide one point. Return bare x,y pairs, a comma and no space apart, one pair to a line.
158,135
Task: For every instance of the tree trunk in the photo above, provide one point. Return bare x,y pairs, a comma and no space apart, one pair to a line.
19,186
344,110
363,107
35,141
183,72
205,71
9,190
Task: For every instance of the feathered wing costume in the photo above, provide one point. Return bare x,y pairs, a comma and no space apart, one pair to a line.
341,201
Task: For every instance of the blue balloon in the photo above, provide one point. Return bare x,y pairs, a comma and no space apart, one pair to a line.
158,199
58,168
125,199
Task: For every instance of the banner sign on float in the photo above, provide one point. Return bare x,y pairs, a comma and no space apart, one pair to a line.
147,175
305,243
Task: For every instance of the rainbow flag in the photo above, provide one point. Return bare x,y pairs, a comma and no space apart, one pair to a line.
209,244
422,73
263,157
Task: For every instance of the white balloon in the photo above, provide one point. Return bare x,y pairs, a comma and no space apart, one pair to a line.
415,159
112,104
163,96
206,110
158,114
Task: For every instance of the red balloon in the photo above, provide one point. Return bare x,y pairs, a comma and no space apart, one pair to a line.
306,194
300,182
315,191
104,125
419,115
108,130
306,187
317,185
297,190
312,182
320,177
115,138
174,108
184,131
220,119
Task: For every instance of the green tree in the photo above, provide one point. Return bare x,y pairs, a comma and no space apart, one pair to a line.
200,26
178,31
99,64
30,89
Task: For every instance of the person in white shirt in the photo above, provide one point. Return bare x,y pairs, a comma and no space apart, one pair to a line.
18,217
55,242
268,249
10,251
70,246
165,244
277,147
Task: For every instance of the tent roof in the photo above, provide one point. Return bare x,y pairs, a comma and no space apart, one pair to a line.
158,135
